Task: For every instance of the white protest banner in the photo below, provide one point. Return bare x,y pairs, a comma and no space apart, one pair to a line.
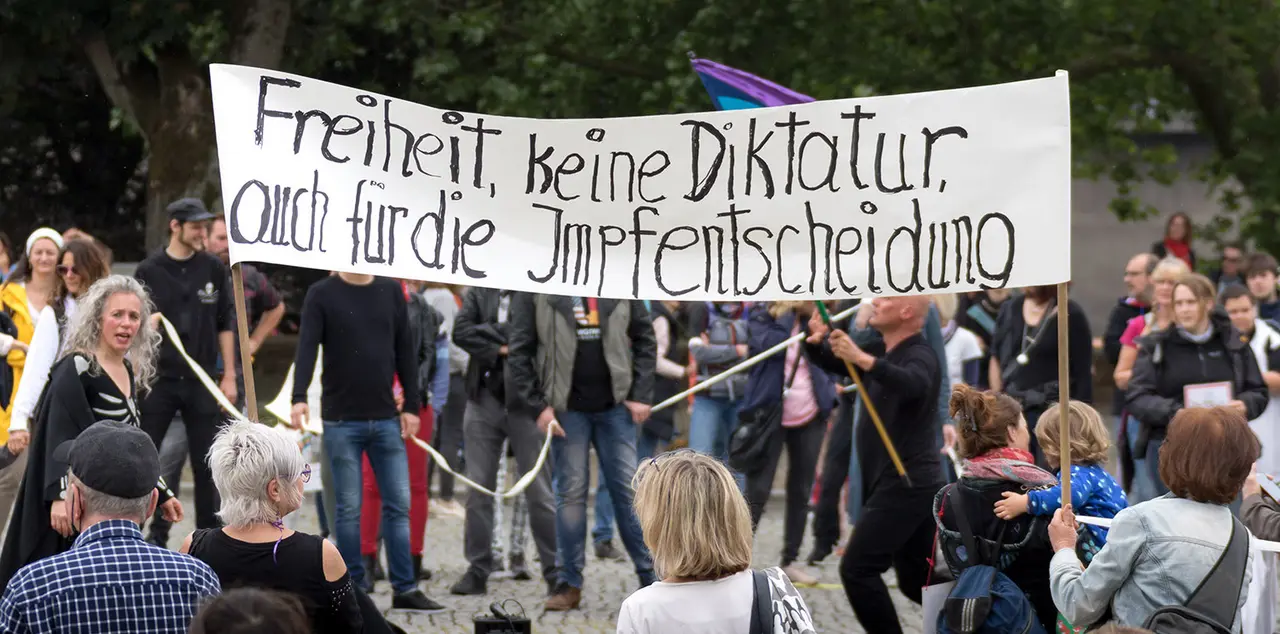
945,191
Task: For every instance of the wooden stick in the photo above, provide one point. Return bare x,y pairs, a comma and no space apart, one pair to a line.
246,355
1064,395
745,364
866,401
875,419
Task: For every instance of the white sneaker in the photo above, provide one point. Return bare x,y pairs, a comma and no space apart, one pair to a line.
798,576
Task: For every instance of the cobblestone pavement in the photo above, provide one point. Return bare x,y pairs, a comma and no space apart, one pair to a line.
607,583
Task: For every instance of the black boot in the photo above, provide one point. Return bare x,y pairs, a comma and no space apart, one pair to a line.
373,569
422,573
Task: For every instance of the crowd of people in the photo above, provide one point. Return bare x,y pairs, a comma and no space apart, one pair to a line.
929,423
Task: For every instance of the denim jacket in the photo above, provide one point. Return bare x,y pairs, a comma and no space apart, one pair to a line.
1157,553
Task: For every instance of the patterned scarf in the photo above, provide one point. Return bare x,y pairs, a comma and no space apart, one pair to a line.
1009,464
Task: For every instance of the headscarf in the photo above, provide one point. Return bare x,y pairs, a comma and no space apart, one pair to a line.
43,233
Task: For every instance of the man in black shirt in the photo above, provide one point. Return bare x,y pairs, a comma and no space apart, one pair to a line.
482,329
586,364
896,527
191,289
265,313
363,324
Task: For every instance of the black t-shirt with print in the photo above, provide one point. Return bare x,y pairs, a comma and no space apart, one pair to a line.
592,389
195,295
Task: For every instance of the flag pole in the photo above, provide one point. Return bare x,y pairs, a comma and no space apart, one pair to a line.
1064,395
242,332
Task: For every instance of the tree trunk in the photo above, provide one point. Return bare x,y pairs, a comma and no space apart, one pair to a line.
172,104
181,143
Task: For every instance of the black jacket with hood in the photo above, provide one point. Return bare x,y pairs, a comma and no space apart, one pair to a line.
1168,361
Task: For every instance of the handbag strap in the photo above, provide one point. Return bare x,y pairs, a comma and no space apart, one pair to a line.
795,367
1219,593
970,539
762,606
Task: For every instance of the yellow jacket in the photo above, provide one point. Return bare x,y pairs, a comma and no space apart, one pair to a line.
13,299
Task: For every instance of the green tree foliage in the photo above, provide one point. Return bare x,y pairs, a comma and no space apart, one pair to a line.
1137,67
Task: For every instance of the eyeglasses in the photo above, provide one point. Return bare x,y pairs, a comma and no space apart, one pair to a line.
306,473
63,269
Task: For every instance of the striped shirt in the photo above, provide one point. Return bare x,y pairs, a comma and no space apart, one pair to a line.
110,581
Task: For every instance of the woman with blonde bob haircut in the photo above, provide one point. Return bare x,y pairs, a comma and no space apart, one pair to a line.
698,527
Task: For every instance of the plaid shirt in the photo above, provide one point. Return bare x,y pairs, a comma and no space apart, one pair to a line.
110,581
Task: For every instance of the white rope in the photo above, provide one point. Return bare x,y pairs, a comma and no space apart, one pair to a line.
745,364
310,427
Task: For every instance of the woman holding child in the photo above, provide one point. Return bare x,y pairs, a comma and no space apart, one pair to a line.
1158,553
994,441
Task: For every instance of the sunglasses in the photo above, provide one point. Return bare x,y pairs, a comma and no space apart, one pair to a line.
64,270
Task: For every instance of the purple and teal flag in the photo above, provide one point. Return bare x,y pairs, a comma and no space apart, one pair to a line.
733,89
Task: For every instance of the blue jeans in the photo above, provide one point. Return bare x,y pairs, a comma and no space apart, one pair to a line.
344,442
613,434
1158,487
711,423
1143,487
646,448
853,501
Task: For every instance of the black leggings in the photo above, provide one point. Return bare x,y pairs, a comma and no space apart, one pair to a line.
803,446
448,435
203,418
895,529
835,471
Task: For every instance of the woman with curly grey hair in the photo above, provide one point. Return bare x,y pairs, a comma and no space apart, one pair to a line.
108,360
259,473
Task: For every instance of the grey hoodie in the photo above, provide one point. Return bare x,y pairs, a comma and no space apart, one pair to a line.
442,300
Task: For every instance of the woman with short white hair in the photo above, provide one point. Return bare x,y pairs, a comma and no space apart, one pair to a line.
259,473
697,526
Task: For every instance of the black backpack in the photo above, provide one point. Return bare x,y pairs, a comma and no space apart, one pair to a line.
1211,609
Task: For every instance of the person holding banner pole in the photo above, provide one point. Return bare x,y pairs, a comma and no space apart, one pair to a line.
896,528
192,289
584,367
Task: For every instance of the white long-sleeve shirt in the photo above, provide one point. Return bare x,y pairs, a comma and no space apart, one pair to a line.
666,367
42,352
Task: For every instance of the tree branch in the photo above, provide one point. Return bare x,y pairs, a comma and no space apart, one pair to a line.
1210,99
258,29
134,92
1128,58
561,51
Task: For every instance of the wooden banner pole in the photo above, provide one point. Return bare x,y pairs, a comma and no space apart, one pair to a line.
242,332
1064,395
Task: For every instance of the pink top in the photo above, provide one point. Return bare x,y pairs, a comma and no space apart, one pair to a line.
1132,331
799,406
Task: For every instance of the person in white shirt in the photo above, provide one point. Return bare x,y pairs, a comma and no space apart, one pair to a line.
698,528
80,264
964,348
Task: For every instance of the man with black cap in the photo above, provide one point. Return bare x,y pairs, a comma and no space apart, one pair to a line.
111,580
191,289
